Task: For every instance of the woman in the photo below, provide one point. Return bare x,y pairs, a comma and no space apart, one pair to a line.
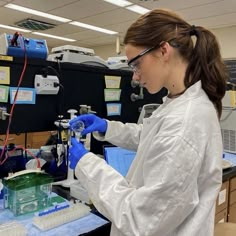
173,182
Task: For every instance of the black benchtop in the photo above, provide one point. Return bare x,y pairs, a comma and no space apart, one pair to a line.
229,173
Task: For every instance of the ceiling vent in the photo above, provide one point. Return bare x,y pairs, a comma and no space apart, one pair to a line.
34,24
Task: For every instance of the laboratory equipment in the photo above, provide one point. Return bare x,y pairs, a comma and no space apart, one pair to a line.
49,221
134,97
74,54
85,109
70,172
79,192
226,164
34,48
120,62
55,208
1,189
147,111
15,161
227,121
77,128
27,191
12,228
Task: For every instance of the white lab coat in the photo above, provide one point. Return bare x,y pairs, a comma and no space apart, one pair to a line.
172,185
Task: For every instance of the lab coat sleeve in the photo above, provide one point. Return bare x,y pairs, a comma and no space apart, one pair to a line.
168,196
122,135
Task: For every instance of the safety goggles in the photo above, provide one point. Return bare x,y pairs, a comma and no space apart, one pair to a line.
132,63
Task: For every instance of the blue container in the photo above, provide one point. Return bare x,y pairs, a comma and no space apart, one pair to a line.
35,48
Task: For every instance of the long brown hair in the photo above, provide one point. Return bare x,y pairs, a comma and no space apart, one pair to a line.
204,58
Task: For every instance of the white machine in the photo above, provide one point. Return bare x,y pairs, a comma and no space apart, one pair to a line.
228,121
118,63
74,54
147,111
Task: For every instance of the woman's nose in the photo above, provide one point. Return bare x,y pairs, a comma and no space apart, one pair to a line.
135,76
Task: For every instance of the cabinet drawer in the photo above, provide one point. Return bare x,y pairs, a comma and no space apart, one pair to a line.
222,199
232,197
232,213
38,139
233,184
221,217
17,139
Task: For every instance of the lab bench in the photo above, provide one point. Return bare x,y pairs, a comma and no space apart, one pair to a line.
225,204
226,200
103,230
90,225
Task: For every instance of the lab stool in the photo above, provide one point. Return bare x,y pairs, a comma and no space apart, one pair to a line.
225,229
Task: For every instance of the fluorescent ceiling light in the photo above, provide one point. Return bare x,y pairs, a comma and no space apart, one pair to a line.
14,28
120,3
37,13
92,27
55,37
138,9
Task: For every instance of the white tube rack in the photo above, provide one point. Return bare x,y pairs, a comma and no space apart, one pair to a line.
55,219
12,228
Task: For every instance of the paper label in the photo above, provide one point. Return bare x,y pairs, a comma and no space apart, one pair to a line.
222,197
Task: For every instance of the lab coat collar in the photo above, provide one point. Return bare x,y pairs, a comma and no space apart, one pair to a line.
191,92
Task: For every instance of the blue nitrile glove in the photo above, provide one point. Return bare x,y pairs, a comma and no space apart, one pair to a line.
92,123
76,152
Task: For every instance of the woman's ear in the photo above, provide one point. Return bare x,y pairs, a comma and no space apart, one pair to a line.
165,49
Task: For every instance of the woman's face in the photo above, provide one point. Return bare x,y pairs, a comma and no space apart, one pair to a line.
149,68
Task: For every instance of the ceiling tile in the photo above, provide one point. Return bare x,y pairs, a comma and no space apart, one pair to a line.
2,3
121,27
63,30
112,17
9,17
84,8
173,4
43,5
217,21
88,34
209,10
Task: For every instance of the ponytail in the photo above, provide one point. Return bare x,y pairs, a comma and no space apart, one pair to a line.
206,65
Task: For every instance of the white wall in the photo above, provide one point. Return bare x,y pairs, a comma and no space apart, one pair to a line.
108,51
227,40
226,37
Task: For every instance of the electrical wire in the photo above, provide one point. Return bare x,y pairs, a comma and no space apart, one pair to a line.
25,150
14,103
14,100
59,75
62,100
